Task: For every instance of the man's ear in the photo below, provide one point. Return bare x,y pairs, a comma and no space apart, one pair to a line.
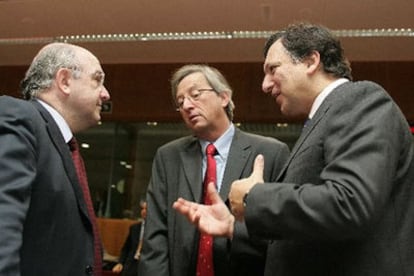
312,62
63,78
225,98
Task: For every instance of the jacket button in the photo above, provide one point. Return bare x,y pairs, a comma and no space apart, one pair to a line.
89,269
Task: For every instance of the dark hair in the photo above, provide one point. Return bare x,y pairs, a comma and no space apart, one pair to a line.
301,39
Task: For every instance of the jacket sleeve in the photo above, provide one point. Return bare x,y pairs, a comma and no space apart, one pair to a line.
17,173
275,154
154,256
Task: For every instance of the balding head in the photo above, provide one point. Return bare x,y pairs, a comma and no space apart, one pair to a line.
47,62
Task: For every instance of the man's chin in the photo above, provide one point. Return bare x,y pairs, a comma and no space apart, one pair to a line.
195,126
98,117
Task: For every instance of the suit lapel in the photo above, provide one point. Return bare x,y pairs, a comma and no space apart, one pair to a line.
239,153
63,149
310,128
191,159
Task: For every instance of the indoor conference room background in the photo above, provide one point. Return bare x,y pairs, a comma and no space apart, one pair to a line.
140,44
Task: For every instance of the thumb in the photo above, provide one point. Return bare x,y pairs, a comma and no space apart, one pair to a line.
258,167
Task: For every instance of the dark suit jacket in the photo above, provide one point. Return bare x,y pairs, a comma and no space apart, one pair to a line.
170,241
44,225
130,264
344,203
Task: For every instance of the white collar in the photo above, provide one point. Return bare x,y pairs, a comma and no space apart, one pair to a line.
60,121
325,92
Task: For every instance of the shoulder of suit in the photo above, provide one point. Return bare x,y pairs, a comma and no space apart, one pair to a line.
8,100
180,143
14,106
361,85
256,138
358,90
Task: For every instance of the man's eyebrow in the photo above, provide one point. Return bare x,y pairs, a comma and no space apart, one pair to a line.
272,64
267,66
98,73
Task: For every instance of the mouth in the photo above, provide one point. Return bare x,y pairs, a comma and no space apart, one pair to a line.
276,91
193,117
276,94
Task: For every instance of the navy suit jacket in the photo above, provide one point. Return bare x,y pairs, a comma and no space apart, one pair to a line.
44,225
344,203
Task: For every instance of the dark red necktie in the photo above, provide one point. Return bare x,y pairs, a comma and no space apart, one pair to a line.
80,170
205,247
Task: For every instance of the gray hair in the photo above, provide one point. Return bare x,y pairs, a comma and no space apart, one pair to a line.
214,78
45,65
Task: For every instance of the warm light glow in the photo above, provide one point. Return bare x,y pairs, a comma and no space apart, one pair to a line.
85,146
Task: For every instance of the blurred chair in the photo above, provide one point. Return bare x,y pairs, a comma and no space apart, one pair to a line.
113,234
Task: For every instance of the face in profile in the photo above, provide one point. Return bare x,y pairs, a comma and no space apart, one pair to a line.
88,92
286,80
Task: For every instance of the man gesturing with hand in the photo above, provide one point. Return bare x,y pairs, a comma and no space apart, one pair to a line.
240,188
216,219
343,204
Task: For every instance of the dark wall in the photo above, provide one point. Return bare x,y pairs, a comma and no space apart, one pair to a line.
140,92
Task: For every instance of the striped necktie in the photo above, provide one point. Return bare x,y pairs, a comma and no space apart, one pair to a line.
83,181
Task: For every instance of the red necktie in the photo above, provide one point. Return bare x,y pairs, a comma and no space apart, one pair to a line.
80,170
205,247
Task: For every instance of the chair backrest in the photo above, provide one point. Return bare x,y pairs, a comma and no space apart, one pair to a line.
114,233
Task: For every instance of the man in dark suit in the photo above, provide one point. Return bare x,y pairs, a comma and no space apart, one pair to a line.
45,226
171,243
344,202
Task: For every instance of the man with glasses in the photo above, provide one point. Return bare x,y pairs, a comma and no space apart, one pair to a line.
47,222
171,244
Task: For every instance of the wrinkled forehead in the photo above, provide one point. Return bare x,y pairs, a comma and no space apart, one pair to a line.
191,81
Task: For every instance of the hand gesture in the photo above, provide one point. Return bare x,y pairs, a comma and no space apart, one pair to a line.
214,219
239,188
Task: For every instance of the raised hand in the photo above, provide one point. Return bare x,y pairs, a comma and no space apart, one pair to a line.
240,187
214,219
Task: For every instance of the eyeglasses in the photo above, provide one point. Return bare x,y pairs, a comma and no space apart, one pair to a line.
193,96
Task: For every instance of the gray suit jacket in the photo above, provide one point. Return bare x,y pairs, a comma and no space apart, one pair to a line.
344,203
44,225
170,241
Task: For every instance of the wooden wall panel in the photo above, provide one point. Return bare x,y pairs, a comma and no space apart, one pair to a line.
140,92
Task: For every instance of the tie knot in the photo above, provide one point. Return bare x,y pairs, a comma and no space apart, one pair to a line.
211,149
73,144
